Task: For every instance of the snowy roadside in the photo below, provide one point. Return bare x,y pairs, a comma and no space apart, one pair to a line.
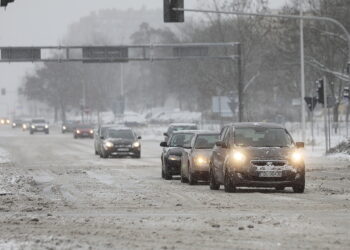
4,156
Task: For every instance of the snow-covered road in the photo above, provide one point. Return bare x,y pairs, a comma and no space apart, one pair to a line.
60,195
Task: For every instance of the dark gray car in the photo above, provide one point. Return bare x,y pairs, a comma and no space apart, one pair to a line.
257,155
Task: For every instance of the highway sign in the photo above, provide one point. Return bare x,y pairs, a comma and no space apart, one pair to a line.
20,54
105,54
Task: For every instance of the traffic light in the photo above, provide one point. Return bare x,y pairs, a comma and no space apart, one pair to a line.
171,15
4,3
3,91
320,91
346,93
311,102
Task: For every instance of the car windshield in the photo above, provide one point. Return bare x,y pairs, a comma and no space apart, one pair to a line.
262,137
180,128
38,121
206,141
85,126
181,140
120,134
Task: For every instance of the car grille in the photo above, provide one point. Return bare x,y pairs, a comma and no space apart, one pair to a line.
268,163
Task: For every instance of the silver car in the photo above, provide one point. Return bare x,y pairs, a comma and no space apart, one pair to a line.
195,160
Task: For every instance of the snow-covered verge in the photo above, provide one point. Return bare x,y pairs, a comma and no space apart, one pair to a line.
4,156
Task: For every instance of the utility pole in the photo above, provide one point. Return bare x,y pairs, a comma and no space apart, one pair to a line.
302,70
240,82
325,110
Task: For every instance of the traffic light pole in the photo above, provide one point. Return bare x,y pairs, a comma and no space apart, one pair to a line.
325,110
296,17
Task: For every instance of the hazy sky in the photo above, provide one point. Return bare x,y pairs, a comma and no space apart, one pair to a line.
45,22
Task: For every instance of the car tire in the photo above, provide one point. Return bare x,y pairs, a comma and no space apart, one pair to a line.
47,132
229,186
137,156
96,153
31,132
167,175
104,155
300,186
212,181
183,178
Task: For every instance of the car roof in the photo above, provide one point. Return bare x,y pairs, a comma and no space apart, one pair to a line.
206,132
185,132
182,124
256,124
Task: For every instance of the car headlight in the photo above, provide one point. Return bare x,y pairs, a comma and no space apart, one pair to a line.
239,157
91,131
201,160
24,126
64,127
33,126
174,158
108,144
8,121
14,124
297,157
78,131
46,126
2,122
136,144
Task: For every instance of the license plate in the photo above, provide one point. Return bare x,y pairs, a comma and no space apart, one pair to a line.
270,174
123,149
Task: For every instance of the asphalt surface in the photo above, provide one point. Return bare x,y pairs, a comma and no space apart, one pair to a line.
56,194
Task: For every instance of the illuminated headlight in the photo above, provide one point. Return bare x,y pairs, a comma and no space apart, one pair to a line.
64,127
91,131
297,157
2,121
200,160
46,126
174,158
24,126
108,144
8,121
14,124
78,131
136,144
33,127
239,157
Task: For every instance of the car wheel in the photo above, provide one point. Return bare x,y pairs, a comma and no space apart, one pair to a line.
191,179
213,185
47,132
137,156
167,175
183,178
104,155
300,186
96,153
229,186
31,132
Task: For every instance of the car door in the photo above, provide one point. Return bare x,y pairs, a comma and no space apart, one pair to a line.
186,157
221,155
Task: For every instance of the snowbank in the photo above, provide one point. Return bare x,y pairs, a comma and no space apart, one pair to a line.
4,156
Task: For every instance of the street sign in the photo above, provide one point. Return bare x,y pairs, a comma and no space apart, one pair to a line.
191,51
105,54
311,103
20,54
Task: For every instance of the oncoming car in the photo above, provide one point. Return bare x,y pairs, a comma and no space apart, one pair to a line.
257,155
39,125
178,127
84,131
120,142
172,153
195,160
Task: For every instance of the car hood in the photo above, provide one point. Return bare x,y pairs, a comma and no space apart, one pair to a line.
175,151
267,153
202,152
120,141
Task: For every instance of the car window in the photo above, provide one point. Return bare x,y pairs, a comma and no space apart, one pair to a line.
223,133
205,141
181,140
120,134
38,121
262,137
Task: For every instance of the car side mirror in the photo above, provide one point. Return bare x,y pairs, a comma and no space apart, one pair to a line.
166,134
221,144
300,145
139,137
164,144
